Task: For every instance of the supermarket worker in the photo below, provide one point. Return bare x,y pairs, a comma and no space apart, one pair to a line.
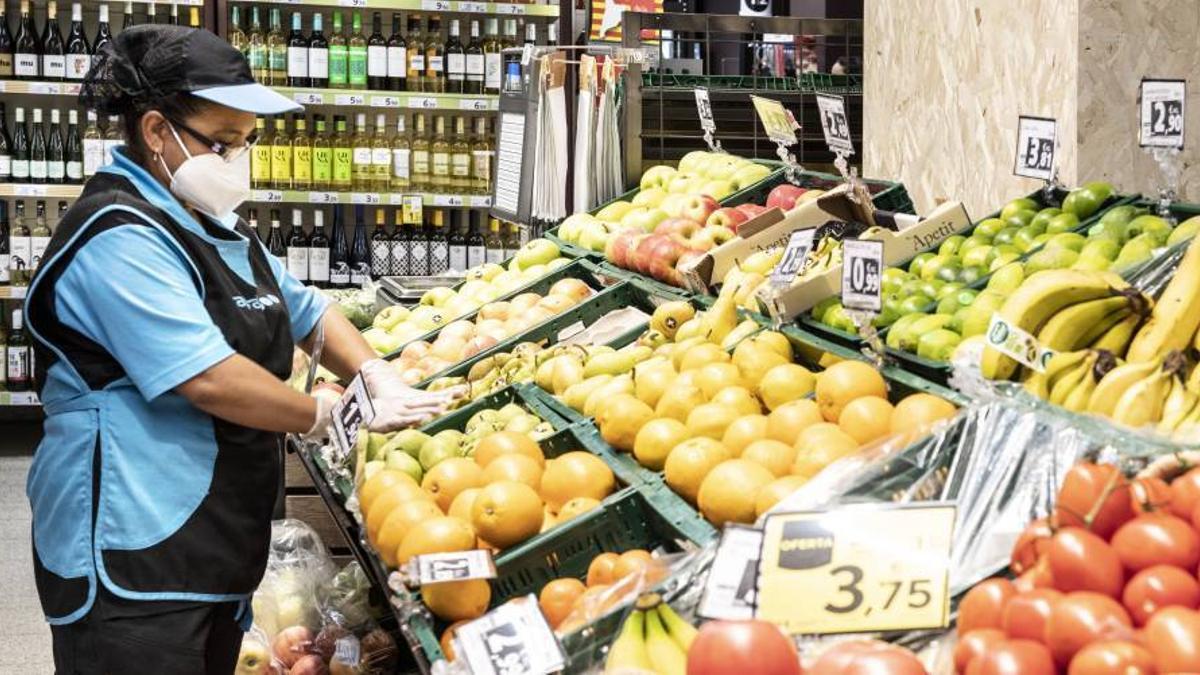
163,332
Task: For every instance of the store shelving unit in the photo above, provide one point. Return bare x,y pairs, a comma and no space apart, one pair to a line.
318,197
458,6
39,88
353,98
48,190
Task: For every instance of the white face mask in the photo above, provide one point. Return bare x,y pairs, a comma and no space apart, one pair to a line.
210,184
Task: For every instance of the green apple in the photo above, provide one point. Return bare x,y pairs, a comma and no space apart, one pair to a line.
949,271
818,310
1136,250
1082,202
1006,235
693,159
375,443
437,297
938,345
893,277
381,341
1121,215
931,288
970,274
487,271
915,303
948,289
1091,262
973,242
931,267
650,197
1103,247
593,236
918,262
399,460
900,335
989,227
1043,217
1001,260
409,440
1019,204
836,317
1024,238
571,228
427,317
643,218
950,246
1071,240
891,304
613,212
948,305
1063,222
536,252
749,174
551,266
389,317
1050,258
1020,218
684,182
1155,226
656,177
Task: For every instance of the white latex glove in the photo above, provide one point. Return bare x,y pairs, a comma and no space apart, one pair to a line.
320,427
397,405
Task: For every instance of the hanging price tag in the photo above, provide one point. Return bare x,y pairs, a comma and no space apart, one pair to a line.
1163,104
322,198
835,124
864,569
779,124
410,211
457,566
862,265
354,410
798,246
1035,147
704,110
729,589
513,639
1017,344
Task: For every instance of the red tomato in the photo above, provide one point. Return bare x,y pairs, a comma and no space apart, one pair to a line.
1031,545
1149,495
1025,615
1087,486
1014,657
1157,540
1173,636
1039,576
860,657
975,644
1185,493
1196,517
1081,561
728,646
1157,587
983,605
1081,618
1113,657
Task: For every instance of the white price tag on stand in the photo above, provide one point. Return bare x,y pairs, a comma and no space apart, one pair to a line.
798,246
729,588
350,414
1035,147
435,568
707,123
862,267
835,124
513,639
1163,104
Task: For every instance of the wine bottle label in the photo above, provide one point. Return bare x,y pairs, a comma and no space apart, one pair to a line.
6,64
461,165
318,63
400,163
78,65
416,62
318,264
4,278
435,65
322,165
54,66
37,250
381,258
25,65
109,145
20,169
343,161
302,164
420,163
397,61
418,261
257,56
37,169
482,161
281,162
338,69
339,273
358,66
5,167
377,61
456,67
362,156
439,256
74,170
458,258
297,62
476,256
297,262
381,158
277,59
492,70
399,258
93,155
495,255
475,67
441,164
20,251
359,273
260,163
18,365
56,170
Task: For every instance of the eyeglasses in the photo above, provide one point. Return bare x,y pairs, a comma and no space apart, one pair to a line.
227,152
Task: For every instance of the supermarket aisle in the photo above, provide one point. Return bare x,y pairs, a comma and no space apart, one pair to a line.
21,626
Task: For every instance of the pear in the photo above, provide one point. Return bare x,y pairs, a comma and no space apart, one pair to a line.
669,316
508,412
375,443
576,395
402,461
567,372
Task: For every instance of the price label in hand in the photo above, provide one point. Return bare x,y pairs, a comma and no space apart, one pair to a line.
513,639
1163,103
779,124
350,414
798,246
835,124
457,566
864,569
1035,147
862,267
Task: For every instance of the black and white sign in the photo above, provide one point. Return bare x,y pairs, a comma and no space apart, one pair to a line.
754,8
704,109
798,246
513,639
354,410
862,267
1163,105
835,123
1035,147
457,566
729,589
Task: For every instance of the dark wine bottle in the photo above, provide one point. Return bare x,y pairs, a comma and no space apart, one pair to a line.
456,61
439,243
27,54
318,54
20,149
377,57
400,247
79,53
6,45
37,149
381,247
318,252
54,57
297,248
418,251
397,57
476,250
56,152
339,253
297,55
6,150
103,32
458,241
360,253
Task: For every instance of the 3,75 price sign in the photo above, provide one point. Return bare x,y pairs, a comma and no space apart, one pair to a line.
862,569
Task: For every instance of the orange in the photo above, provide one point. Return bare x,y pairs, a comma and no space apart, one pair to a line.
461,506
845,381
392,497
436,535
399,523
785,382
576,474
729,490
576,507
655,440
504,443
631,562
714,377
591,605
557,599
866,419
457,600
711,420
600,571
744,431
519,468
821,445
774,492
450,477
919,412
753,360
507,513
620,418
785,423
689,462
738,398
772,455
375,485
447,641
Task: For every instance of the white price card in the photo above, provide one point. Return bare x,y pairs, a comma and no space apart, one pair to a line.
478,7
729,589
364,198
385,101
352,412
352,3
349,99
1017,344
447,200
318,197
474,104
30,190
273,196
778,122
435,568
1163,106
435,5
513,639
862,269
835,123
798,246
510,9
481,202
1035,147
422,102
704,110
411,209
308,98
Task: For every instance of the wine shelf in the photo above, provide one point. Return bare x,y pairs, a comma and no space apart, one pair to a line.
39,87
396,99
39,190
19,398
13,292
463,6
367,198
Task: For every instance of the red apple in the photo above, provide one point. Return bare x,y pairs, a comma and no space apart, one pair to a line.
680,228
699,207
620,248
639,259
293,643
728,217
573,288
660,255
711,237
785,196
751,210
309,665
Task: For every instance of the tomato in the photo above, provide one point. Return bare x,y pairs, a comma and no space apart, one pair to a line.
1196,517
975,644
983,606
1081,561
1173,636
1157,587
1185,493
1157,540
858,657
1025,615
1149,495
1014,657
1088,486
727,646
1113,657
1039,576
1031,545
1081,618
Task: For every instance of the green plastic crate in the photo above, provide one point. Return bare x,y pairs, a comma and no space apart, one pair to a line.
521,393
885,195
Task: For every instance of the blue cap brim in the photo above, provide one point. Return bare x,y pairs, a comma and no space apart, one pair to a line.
252,98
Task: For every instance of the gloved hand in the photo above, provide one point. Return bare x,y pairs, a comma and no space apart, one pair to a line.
397,405
320,427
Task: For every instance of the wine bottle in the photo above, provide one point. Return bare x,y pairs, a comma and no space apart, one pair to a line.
418,251
435,75
420,155
173,16
439,243
252,221
256,49
39,238
275,244
339,68
439,157
281,156
381,155
7,46
151,13
19,376
103,31
302,155
476,250
356,48
297,55
56,151
339,253
4,238
54,59
127,20
399,245
476,68
112,138
297,248
401,157
74,150
37,149
460,158
456,61
93,146
277,50
79,57
360,253
318,54
260,156
397,57
458,242
377,56
6,149
26,54
482,155
20,149
318,252
512,241
237,36
20,248
343,155
322,156
416,55
493,243
361,176
492,61
381,248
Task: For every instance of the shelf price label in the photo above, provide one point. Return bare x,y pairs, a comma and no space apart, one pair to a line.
422,102
350,414
798,246
364,198
447,200
510,9
385,101
435,5
308,98
352,3
411,209
474,104
1017,344
478,7
778,122
729,589
704,110
513,639
862,268
1035,147
323,198
435,568
349,99
835,124
272,196
865,569
30,190
481,202
1163,107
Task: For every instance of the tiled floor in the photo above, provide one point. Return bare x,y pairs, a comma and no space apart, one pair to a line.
24,634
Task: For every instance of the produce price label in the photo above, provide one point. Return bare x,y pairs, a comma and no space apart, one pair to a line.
1035,147
1162,113
1017,344
354,410
704,109
457,566
729,589
513,639
411,210
798,246
780,126
861,569
835,124
862,266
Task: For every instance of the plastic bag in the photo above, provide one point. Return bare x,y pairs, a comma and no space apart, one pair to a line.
298,566
350,639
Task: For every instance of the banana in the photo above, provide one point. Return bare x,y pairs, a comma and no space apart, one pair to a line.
1179,402
1193,380
1176,317
1077,399
1035,301
1077,326
666,655
1116,339
1113,385
1037,385
1188,429
628,653
1060,364
1065,384
681,631
1142,402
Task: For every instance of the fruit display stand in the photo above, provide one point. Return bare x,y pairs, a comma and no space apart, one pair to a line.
885,195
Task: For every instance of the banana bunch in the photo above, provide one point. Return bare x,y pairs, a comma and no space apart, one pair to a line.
1070,378
1173,324
653,640
826,256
